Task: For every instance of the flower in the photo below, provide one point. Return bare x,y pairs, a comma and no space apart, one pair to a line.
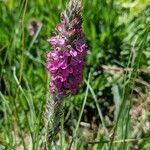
34,26
65,61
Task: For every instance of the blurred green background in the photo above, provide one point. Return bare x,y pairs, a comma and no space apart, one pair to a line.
116,93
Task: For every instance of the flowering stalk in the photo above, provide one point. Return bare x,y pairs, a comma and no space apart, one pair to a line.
65,61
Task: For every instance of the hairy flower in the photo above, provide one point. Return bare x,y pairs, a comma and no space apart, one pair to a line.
65,61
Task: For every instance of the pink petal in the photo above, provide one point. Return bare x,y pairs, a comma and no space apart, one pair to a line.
73,53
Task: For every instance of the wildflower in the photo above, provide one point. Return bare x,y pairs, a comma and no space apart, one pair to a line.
33,27
65,61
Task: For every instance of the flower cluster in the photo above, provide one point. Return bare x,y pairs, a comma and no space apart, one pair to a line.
66,59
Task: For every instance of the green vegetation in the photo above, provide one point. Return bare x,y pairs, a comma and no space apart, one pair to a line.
112,107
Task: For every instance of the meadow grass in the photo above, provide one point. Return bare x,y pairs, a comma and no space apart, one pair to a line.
111,108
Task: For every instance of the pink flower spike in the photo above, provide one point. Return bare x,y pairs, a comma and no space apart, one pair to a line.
65,61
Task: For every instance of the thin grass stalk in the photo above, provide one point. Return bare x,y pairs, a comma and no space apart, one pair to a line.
134,75
81,113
